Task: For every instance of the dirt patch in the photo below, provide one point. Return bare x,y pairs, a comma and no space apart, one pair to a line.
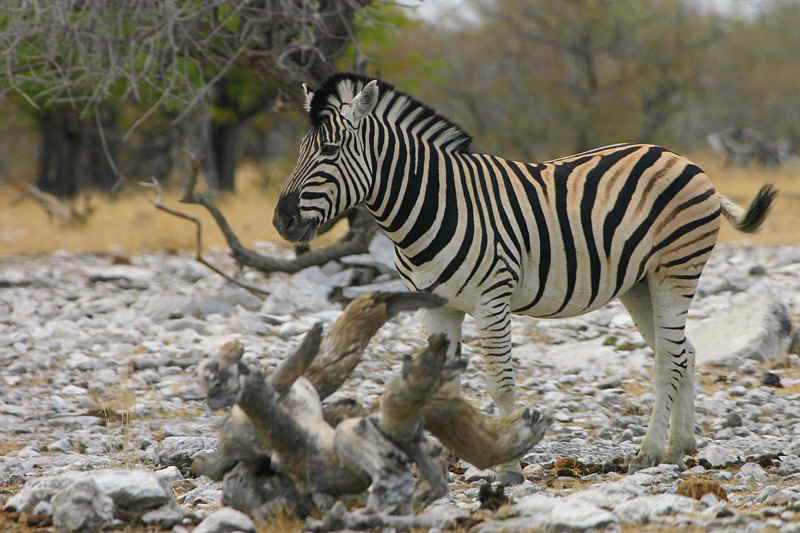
697,488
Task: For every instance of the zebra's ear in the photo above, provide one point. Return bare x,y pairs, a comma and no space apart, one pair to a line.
364,102
309,95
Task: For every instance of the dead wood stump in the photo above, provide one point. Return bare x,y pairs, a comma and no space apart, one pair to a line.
277,447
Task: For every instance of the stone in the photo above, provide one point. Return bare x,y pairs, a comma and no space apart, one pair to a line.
127,276
226,520
782,497
753,472
608,495
647,509
719,456
757,326
132,490
395,285
82,507
474,474
181,451
561,514
381,248
12,472
39,489
790,464
165,516
306,291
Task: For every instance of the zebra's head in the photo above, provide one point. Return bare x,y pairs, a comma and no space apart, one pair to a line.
334,171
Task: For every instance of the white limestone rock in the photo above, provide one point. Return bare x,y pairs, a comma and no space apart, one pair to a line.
226,520
647,509
756,326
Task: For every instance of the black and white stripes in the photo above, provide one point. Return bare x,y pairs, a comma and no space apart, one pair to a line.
496,236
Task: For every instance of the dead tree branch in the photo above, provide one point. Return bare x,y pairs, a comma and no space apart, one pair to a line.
356,241
198,255
282,416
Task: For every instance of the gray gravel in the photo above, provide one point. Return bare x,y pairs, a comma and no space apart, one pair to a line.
97,368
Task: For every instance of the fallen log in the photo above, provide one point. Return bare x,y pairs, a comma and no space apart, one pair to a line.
278,423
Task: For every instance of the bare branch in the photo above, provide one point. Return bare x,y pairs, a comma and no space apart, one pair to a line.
199,240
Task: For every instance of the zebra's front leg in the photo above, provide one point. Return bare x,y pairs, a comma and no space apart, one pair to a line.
447,321
494,325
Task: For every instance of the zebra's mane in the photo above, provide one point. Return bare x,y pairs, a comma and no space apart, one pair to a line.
343,86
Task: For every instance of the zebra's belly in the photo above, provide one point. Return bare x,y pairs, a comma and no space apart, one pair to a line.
564,297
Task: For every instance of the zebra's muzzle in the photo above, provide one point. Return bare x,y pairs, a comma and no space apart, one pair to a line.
289,223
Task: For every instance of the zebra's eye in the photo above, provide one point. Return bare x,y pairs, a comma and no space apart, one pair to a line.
329,149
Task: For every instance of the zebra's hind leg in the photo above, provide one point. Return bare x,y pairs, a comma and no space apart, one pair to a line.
670,296
681,428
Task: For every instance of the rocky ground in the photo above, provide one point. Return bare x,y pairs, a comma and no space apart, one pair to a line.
98,396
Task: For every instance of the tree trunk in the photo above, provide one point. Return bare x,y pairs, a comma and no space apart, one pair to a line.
99,146
224,144
60,147
72,153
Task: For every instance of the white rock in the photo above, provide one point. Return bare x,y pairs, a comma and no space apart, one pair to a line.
790,464
757,326
720,456
752,471
382,250
226,520
651,508
560,514
82,507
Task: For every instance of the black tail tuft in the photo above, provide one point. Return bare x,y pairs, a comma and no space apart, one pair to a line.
758,210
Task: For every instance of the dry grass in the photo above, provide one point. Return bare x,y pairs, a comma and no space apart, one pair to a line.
284,522
8,446
132,224
741,184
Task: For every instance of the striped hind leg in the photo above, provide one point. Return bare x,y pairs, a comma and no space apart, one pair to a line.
670,432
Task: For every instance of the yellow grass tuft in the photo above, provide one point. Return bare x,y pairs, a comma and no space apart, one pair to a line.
284,521
131,224
741,185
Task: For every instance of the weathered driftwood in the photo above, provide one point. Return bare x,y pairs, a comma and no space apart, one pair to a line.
343,346
277,426
356,241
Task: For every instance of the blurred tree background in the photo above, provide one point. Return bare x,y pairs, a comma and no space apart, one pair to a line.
98,95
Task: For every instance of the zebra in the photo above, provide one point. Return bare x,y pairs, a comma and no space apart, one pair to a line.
495,236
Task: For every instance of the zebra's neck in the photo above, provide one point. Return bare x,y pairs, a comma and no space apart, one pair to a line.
411,166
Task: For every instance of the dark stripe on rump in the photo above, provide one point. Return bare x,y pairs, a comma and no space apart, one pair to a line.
660,203
689,257
615,216
587,204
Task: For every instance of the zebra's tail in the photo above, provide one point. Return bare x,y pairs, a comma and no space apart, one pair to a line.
750,219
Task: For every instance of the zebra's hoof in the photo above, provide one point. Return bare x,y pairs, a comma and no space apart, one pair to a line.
509,477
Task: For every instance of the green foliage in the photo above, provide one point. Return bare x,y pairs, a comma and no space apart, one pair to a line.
381,30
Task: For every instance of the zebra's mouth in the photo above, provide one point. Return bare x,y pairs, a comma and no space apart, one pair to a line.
310,231
289,223
296,229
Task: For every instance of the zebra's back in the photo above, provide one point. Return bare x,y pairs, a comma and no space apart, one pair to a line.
580,230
